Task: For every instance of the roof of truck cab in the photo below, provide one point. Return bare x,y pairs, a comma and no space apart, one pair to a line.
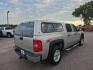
49,21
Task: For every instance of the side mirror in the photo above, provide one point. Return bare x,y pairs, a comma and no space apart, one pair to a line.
79,29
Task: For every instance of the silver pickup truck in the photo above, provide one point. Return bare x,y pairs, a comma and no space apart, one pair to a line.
43,40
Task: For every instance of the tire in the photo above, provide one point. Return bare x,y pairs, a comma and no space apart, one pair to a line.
55,55
20,57
9,35
81,42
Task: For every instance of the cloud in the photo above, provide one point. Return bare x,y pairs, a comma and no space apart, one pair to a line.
14,1
15,14
3,12
51,16
3,4
43,3
22,10
79,2
39,7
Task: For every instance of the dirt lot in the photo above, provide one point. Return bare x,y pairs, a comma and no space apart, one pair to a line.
79,58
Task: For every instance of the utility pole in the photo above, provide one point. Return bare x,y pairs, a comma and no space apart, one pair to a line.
7,18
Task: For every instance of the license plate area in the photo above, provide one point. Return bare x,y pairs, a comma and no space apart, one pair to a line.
22,52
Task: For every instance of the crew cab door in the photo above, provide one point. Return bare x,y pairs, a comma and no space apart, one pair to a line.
69,35
76,33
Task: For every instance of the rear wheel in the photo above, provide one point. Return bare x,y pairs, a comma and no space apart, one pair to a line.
55,55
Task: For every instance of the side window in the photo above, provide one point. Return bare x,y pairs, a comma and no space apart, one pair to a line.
47,27
68,27
7,28
74,28
58,27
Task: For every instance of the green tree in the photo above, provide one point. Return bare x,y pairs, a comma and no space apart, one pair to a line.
85,12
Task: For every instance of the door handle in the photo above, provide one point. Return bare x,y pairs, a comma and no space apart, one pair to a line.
21,38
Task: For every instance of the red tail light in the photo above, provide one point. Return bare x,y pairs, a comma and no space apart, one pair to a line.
37,45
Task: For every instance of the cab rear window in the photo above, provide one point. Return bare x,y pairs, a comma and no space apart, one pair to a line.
51,27
25,29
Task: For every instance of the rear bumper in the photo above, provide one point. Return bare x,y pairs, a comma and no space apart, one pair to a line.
30,56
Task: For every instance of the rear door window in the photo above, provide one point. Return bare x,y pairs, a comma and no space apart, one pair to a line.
58,27
25,29
68,28
74,28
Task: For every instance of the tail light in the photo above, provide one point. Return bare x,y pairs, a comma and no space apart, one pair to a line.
37,45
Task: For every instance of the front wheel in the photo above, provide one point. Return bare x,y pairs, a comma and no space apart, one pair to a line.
9,35
55,55
81,43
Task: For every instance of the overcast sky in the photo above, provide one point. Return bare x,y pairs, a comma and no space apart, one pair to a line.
27,10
